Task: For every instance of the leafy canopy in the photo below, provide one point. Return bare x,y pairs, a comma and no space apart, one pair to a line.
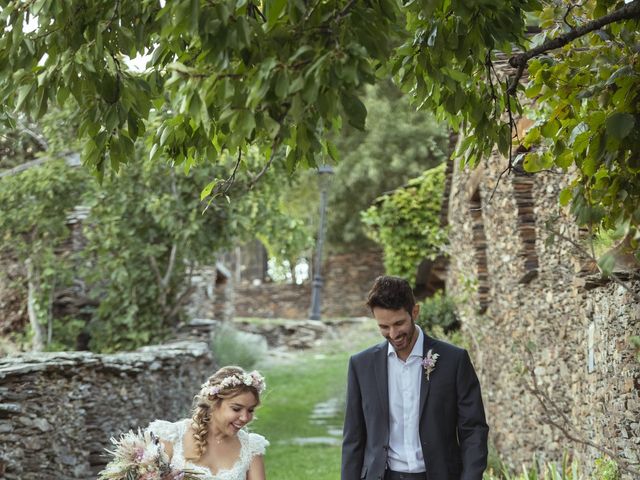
281,75
227,73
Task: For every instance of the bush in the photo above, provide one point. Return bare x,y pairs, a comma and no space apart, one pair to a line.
234,347
606,469
438,311
406,223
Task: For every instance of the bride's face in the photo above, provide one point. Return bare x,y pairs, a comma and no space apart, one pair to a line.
234,413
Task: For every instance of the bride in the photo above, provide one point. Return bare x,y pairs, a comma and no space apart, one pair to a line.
213,442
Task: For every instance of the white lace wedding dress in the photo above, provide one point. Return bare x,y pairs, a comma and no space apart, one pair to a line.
251,444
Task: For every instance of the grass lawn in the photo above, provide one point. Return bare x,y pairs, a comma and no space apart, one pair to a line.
294,388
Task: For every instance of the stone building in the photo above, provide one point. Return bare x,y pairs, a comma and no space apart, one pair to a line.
347,279
521,291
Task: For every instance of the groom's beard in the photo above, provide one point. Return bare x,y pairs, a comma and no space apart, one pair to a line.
403,341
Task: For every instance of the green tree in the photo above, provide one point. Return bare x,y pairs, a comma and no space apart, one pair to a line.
406,223
146,229
149,230
399,144
33,231
281,75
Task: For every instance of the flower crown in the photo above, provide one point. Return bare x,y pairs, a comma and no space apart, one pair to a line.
251,379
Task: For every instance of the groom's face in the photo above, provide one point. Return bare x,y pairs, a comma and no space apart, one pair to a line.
397,326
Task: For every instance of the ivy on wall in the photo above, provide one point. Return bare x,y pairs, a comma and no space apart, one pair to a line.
406,223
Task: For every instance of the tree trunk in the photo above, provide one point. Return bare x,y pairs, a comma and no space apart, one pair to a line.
50,316
38,331
292,269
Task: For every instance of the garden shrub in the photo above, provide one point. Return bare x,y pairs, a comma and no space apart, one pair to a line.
438,311
234,347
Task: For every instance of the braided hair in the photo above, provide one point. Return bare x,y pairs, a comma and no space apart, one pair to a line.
214,391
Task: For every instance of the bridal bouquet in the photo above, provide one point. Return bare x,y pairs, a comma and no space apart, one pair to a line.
140,456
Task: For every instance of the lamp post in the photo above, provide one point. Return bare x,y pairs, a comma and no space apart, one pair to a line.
324,177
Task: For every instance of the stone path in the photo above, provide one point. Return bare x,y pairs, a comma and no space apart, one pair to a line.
322,414
325,414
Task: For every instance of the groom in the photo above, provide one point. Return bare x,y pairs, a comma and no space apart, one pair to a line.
414,409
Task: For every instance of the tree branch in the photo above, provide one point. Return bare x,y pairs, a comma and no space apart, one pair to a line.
180,301
628,12
342,13
41,141
255,179
156,270
33,286
223,188
170,266
580,249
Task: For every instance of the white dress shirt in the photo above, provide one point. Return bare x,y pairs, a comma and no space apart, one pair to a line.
405,452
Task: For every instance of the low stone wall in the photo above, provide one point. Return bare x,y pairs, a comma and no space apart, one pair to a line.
578,329
59,410
347,279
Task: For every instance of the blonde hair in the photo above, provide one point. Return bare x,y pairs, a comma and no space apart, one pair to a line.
208,399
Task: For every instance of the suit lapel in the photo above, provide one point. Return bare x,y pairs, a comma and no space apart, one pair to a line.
425,384
382,379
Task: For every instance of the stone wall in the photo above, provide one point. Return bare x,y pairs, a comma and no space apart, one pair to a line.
347,279
272,300
535,293
59,410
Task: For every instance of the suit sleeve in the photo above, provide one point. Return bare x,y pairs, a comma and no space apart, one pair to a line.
473,430
354,434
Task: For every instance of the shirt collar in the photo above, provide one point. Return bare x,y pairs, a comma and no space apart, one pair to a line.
416,351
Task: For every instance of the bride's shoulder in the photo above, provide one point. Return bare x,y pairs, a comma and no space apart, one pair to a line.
168,431
257,443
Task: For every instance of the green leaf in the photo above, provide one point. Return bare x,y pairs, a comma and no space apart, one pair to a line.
154,151
243,122
282,84
271,125
296,85
582,127
565,159
607,263
550,128
273,10
206,191
619,125
589,166
333,151
23,92
627,70
62,95
565,196
355,110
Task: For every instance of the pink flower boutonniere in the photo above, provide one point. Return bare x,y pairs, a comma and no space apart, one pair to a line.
429,362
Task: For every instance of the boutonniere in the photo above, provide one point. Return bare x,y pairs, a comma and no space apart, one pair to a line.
429,362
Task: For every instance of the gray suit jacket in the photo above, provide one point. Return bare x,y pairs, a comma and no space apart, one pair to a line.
453,429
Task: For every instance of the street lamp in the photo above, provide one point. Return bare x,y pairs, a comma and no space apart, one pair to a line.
324,179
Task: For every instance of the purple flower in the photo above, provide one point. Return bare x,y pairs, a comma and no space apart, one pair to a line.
429,362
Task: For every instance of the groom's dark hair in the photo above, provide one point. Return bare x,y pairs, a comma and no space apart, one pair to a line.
391,293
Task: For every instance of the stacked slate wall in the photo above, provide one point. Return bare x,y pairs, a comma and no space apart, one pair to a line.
59,410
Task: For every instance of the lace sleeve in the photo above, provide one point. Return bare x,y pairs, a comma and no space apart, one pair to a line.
257,444
167,431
